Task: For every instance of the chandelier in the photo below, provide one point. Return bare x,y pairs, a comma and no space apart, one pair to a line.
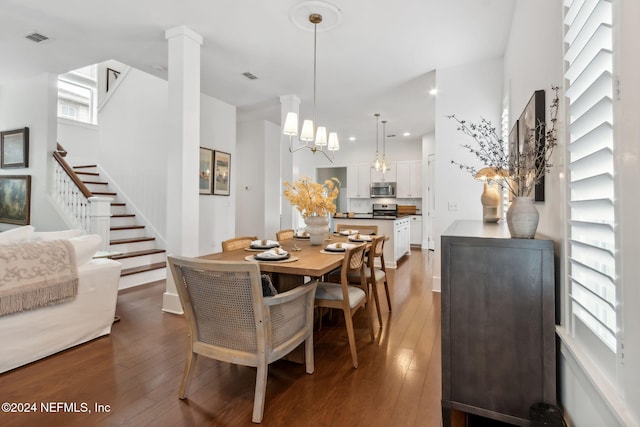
309,127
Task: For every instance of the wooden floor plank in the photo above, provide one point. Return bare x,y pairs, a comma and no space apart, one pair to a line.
137,369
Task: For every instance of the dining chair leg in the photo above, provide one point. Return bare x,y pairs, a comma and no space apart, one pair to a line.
386,289
370,319
308,355
261,390
348,320
374,289
186,376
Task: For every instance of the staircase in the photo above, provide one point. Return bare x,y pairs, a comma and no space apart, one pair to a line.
142,262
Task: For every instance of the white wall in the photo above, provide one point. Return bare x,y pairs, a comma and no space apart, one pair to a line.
32,103
260,187
81,140
471,92
217,213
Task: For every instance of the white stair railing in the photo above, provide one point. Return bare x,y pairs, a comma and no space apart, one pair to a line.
88,212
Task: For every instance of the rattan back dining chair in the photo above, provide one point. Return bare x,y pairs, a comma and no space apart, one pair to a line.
285,234
230,320
237,243
374,275
347,298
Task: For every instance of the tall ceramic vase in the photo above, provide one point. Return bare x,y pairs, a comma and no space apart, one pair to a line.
317,227
522,218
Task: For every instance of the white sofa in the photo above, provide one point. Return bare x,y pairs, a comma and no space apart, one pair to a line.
31,335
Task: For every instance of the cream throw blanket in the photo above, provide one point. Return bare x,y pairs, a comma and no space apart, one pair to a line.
36,274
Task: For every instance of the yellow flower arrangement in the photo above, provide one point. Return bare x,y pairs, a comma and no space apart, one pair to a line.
312,198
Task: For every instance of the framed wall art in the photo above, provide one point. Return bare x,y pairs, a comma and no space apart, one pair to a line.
15,199
112,76
205,175
221,173
14,148
531,136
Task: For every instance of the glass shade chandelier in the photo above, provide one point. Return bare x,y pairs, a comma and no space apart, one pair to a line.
380,165
322,143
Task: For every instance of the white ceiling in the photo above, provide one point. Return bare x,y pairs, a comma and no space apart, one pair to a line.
379,58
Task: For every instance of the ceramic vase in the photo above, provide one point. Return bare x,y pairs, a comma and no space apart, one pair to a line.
317,227
522,218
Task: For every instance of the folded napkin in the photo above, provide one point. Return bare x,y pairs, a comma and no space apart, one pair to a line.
264,243
348,232
334,246
302,234
273,253
361,237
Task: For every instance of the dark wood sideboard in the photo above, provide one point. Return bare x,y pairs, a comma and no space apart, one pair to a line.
498,323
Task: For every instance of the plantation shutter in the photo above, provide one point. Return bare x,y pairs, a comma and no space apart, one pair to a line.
592,267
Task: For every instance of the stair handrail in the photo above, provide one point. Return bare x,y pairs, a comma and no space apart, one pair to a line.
91,213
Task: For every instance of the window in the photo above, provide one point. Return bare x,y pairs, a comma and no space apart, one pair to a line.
592,289
77,97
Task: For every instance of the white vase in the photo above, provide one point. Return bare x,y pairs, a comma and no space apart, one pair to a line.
522,218
317,227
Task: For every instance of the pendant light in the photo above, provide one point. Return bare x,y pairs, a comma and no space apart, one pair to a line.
376,162
384,167
309,127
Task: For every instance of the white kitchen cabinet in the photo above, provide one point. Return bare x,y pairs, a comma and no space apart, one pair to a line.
409,179
416,230
388,176
358,180
402,237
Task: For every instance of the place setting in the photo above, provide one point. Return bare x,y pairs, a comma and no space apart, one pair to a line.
275,254
261,245
360,238
337,248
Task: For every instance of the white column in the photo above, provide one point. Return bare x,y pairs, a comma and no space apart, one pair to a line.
288,103
100,219
183,204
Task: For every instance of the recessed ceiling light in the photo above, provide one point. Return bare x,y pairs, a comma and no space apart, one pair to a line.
406,134
433,91
352,138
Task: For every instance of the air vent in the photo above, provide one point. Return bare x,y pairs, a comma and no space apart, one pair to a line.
250,76
37,37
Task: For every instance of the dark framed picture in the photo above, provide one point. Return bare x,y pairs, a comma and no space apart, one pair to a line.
112,76
514,154
531,131
221,173
205,175
14,148
15,199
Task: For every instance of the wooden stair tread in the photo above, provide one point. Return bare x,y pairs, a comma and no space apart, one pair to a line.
122,215
95,182
143,268
138,253
117,203
87,173
127,227
84,166
104,193
133,240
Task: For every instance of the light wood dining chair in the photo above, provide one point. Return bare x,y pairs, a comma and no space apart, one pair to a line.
237,243
285,234
374,276
230,320
362,229
347,298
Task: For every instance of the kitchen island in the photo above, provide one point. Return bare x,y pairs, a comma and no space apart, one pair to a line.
395,228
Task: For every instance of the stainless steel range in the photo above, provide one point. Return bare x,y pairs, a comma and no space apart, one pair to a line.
385,211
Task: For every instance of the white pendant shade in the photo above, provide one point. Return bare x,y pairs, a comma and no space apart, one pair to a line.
291,124
307,131
334,144
321,136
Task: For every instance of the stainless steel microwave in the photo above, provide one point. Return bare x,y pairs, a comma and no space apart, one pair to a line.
383,189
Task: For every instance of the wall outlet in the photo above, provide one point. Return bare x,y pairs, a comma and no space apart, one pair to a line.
453,206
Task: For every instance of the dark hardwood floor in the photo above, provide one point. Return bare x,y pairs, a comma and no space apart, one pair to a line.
137,369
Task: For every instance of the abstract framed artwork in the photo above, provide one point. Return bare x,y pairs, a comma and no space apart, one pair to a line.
531,132
14,148
15,199
221,173
205,175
